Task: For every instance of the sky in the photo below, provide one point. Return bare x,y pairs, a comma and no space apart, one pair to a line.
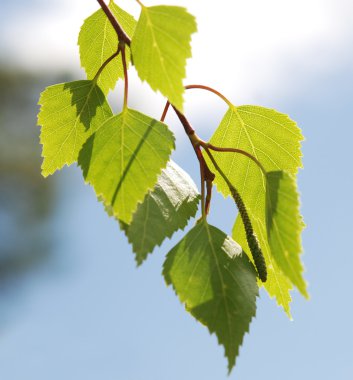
91,314
244,48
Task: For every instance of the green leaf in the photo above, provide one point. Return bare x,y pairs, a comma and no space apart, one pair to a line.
98,41
166,209
284,226
160,47
69,114
274,140
123,159
216,282
268,135
277,284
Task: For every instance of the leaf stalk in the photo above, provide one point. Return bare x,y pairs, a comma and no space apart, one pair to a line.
210,89
126,77
107,61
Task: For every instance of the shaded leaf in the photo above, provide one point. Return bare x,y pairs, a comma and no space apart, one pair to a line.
98,41
160,47
166,209
216,282
123,159
69,114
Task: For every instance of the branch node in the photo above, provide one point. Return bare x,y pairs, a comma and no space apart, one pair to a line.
122,36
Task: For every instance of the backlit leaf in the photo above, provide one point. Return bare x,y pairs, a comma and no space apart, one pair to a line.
160,47
268,135
69,114
98,41
284,226
123,159
216,282
274,140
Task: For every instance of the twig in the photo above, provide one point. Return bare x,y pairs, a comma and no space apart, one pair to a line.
207,176
122,36
165,111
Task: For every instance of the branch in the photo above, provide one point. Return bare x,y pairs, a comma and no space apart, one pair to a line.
190,131
165,111
122,36
206,174
187,127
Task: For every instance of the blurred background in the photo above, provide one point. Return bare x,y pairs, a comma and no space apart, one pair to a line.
73,305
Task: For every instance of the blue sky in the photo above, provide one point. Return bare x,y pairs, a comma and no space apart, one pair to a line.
91,314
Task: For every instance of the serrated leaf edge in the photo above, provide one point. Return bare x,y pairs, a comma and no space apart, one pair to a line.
100,196
213,332
168,236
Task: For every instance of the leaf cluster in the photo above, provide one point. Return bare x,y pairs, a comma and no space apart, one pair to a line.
253,157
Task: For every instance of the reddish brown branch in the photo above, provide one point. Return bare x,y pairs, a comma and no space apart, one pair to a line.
187,127
209,185
207,176
123,37
165,111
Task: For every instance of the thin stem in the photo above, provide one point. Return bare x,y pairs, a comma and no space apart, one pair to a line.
123,37
139,2
202,175
195,141
209,185
126,78
187,127
206,175
165,111
234,150
99,72
210,89
198,86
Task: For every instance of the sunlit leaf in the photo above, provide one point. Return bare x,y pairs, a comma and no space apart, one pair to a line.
273,139
123,159
69,114
98,41
284,226
160,47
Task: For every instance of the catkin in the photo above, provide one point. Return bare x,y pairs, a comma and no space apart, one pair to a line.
251,238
